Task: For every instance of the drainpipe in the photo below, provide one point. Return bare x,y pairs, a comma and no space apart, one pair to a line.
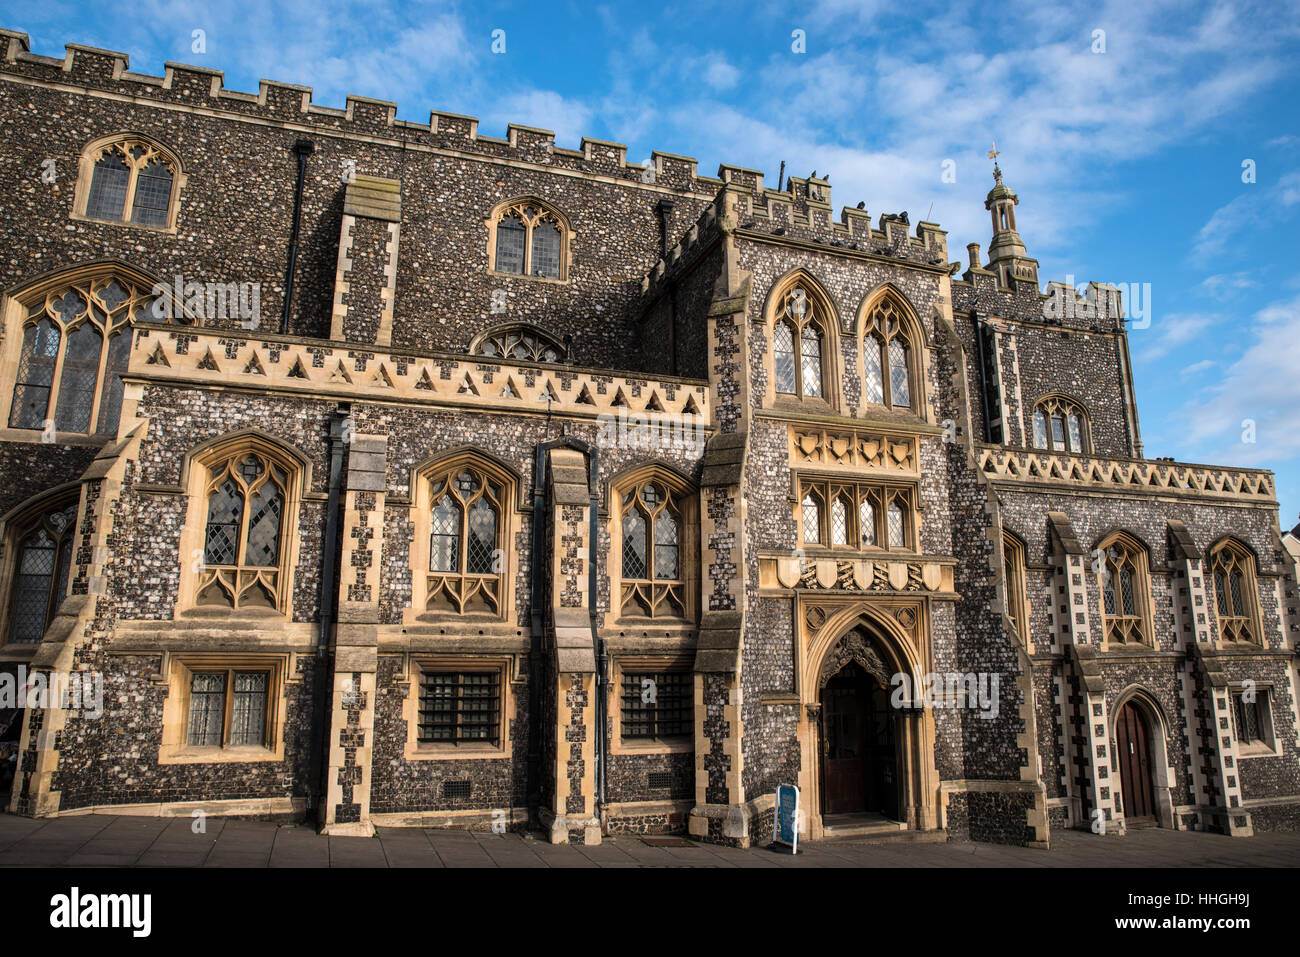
302,149
318,784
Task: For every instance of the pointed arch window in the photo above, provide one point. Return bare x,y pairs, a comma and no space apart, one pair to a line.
1124,589
129,180
1233,570
466,541
75,345
888,357
652,526
798,341
244,532
520,343
1013,563
42,550
1060,425
528,238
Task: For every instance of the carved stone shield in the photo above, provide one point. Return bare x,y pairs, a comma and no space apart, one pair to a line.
898,575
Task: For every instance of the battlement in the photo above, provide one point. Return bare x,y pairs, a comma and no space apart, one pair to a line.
108,71
801,213
1099,308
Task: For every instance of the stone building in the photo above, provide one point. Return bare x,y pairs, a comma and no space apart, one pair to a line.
388,473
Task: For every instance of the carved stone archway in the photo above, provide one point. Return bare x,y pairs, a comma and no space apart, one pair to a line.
872,638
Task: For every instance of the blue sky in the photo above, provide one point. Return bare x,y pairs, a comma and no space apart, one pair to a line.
1128,162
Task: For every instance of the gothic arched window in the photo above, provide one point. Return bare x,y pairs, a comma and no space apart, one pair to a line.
520,343
1233,571
798,339
859,516
244,532
528,237
42,549
888,357
1060,425
129,180
653,578
466,540
1123,571
76,342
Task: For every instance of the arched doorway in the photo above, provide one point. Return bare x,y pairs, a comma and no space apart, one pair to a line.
1133,746
859,759
860,729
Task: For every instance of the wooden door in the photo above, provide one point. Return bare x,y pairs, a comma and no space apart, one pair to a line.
844,727
1133,742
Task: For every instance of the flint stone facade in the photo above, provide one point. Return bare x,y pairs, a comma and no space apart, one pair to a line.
665,367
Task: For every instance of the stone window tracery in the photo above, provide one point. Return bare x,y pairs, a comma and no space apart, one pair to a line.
1233,571
244,532
520,343
528,237
74,348
1124,588
465,541
653,580
1060,425
798,340
131,180
888,357
42,549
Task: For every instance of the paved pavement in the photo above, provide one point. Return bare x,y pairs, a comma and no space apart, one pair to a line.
106,841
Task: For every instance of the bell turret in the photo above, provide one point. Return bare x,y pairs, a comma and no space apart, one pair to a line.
1007,255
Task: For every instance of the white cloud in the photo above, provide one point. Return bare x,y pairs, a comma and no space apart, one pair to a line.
1263,386
1173,331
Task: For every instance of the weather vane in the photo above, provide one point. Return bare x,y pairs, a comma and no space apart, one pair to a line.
995,152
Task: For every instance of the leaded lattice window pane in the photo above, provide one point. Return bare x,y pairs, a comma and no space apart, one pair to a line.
867,521
1040,430
77,381
482,538
1248,722
1234,584
873,377
225,508
783,357
839,522
546,251
1221,592
207,708
1058,433
264,521
1126,591
444,541
666,546
35,376
107,199
812,525
1076,434
30,606
110,403
896,526
1108,593
510,245
811,346
634,544
153,193
900,392
248,708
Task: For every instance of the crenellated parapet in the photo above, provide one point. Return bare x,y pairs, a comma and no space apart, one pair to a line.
108,72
